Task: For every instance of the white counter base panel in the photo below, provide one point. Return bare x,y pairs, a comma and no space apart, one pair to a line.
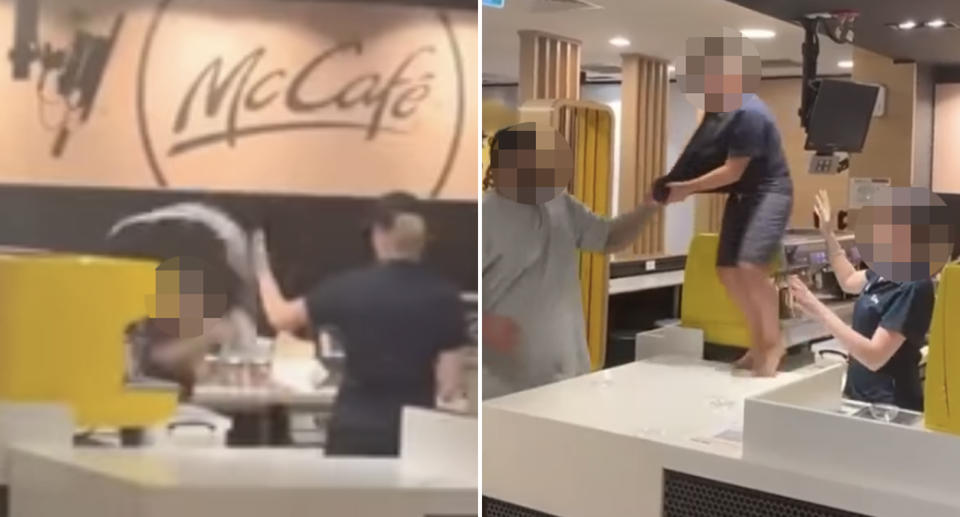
219,482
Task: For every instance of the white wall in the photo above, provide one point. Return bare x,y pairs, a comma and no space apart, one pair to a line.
679,217
681,121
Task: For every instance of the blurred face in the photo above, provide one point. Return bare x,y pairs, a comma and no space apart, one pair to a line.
906,235
718,71
531,164
183,309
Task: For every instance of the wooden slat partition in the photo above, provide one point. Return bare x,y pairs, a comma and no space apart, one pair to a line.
708,212
549,66
643,144
588,127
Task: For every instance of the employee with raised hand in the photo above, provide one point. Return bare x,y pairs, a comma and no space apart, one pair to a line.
893,313
532,314
403,330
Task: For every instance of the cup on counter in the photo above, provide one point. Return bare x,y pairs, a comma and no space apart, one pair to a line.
213,370
235,372
260,372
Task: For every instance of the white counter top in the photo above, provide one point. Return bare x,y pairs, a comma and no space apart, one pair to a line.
243,469
599,445
225,398
435,475
674,400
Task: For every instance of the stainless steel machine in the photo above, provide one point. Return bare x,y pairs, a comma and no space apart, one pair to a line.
805,255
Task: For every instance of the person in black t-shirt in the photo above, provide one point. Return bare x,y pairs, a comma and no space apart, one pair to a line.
402,328
890,319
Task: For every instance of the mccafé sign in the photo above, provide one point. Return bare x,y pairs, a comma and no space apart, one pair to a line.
311,92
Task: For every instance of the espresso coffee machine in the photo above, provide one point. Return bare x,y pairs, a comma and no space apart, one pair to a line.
706,305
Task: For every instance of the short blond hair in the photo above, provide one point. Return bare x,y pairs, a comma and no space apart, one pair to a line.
408,234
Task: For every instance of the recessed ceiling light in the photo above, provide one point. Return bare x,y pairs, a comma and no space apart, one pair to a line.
907,25
757,33
936,24
845,64
620,42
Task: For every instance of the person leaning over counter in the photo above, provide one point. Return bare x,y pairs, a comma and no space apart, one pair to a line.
190,324
532,314
890,321
403,328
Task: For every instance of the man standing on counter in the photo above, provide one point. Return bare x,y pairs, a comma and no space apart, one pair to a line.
720,76
532,315
403,328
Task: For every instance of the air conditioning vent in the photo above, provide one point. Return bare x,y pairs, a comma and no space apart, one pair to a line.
601,69
496,79
554,6
603,78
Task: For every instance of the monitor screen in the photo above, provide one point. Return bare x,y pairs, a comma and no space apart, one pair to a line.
841,116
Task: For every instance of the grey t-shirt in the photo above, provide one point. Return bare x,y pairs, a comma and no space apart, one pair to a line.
531,275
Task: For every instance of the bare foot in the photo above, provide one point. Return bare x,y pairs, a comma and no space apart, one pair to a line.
745,362
768,362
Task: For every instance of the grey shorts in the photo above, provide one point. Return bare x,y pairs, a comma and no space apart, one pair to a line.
753,228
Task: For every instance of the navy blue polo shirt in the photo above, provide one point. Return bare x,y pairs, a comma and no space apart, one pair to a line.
395,319
753,133
906,308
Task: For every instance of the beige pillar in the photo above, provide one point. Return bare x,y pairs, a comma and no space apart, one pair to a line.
549,67
643,141
888,151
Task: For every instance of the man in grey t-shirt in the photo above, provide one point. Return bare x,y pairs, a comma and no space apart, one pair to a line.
533,327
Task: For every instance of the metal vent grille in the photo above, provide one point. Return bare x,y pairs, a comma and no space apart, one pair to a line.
601,69
553,6
498,508
690,496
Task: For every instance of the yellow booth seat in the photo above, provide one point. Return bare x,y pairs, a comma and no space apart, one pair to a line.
62,322
705,304
942,388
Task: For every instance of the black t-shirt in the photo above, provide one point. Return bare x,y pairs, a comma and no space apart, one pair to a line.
753,133
906,308
395,319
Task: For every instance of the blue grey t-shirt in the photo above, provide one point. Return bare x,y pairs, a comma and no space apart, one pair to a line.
753,133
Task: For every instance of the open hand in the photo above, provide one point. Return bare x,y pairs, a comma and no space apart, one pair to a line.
821,206
258,247
803,299
499,332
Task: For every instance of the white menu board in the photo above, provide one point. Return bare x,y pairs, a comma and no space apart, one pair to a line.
862,190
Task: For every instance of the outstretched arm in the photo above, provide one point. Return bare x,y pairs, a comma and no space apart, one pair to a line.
625,228
282,314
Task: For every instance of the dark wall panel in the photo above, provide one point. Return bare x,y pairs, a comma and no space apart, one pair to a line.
310,237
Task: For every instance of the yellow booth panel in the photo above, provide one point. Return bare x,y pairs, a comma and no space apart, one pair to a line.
942,389
705,304
592,145
62,322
